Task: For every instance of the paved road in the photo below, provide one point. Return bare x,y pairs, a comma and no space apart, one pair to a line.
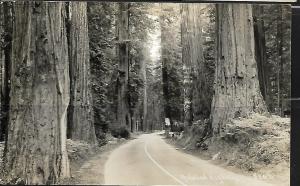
149,160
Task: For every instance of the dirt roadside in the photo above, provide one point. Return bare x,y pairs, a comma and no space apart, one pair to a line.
87,162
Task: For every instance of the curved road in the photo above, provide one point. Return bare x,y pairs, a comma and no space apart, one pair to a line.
149,160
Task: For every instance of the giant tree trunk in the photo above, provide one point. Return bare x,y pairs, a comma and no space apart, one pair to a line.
36,145
81,119
202,75
2,77
195,85
187,33
123,114
237,91
260,51
6,24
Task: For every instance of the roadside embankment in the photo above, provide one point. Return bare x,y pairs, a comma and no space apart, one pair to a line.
258,146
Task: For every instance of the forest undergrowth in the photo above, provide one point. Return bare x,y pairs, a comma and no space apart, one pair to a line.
258,145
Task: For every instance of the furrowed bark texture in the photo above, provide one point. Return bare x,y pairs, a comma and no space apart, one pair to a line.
237,91
123,114
202,93
6,24
260,51
187,34
2,76
195,84
81,121
36,146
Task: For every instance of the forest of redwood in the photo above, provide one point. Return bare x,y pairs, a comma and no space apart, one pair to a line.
80,71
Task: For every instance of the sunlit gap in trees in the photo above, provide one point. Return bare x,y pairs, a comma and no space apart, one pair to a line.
154,41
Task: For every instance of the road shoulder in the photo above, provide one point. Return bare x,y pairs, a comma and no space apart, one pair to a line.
87,162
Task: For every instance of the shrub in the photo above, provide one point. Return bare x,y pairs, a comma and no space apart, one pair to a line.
120,132
178,128
101,137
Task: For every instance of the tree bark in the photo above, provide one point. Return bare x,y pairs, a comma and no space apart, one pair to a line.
197,99
81,121
7,20
280,61
123,114
260,51
187,33
36,145
2,77
237,91
165,67
145,101
202,76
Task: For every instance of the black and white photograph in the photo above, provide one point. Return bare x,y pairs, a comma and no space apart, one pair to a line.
145,93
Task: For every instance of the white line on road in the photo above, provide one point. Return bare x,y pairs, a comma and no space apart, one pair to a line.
161,168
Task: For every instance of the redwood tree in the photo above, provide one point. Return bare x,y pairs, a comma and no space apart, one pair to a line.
6,34
187,33
171,63
260,50
2,77
237,91
196,87
122,29
36,145
81,118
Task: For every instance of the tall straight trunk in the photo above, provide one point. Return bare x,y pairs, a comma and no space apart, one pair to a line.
123,114
36,145
145,104
237,91
187,37
197,97
280,60
7,20
154,121
202,89
285,65
2,72
81,121
165,67
260,51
